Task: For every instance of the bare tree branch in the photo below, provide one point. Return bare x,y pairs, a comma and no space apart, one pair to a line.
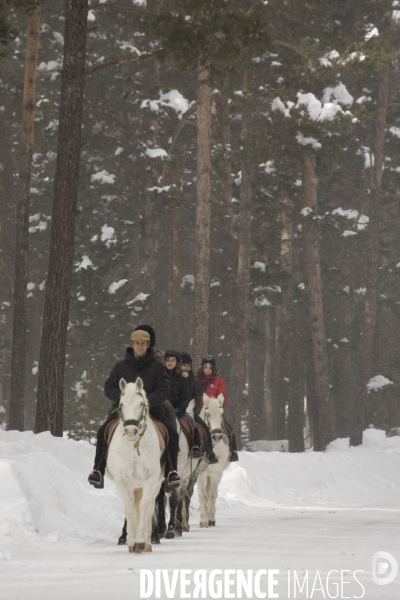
290,46
123,61
127,9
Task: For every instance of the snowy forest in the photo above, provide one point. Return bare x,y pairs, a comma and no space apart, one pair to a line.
238,189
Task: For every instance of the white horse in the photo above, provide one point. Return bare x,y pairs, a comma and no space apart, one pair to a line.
133,464
208,481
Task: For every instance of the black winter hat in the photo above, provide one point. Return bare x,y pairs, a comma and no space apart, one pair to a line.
150,331
174,353
208,358
186,358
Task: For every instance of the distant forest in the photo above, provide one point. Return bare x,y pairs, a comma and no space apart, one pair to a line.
238,189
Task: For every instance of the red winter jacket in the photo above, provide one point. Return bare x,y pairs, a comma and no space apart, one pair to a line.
213,385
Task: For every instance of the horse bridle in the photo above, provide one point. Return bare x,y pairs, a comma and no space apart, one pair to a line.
217,429
137,423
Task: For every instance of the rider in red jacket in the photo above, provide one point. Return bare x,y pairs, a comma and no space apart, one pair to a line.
213,385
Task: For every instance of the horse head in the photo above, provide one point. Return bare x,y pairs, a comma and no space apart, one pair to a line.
213,412
134,408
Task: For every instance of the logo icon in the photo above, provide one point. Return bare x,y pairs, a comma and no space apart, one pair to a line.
384,568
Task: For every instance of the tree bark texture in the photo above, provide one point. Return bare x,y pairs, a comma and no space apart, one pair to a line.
225,259
203,217
18,360
372,274
238,364
49,415
313,285
150,221
289,367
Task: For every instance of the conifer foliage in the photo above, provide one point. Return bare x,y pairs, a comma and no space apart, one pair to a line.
237,189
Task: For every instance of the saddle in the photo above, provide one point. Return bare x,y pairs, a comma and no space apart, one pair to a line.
110,430
187,429
162,432
202,433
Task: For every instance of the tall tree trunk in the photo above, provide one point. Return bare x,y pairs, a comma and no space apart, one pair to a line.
271,407
203,216
372,275
256,346
289,371
18,360
225,260
150,221
49,415
244,255
315,311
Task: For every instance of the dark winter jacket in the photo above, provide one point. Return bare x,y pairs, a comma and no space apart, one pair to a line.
153,373
179,395
195,391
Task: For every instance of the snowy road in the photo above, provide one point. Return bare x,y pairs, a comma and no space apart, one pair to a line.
315,519
295,539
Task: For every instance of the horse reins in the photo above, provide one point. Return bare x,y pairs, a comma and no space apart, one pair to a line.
137,423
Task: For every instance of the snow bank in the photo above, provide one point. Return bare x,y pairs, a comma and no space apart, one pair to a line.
45,497
44,494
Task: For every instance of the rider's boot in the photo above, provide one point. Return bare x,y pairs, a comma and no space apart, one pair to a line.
173,479
196,451
96,479
233,448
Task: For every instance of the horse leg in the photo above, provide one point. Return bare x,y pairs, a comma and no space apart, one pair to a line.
173,503
179,510
160,510
202,483
186,506
213,495
127,496
145,504
155,534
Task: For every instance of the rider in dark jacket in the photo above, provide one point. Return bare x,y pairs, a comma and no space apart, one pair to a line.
196,394
139,362
179,395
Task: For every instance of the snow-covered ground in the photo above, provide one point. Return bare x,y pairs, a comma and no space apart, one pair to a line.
315,517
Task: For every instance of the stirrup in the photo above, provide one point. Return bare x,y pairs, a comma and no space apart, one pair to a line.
173,479
212,458
96,479
196,452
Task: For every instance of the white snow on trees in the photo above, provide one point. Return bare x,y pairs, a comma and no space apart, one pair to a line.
40,226
371,31
108,235
142,297
338,94
85,263
188,282
103,176
306,211
259,265
360,220
127,46
172,99
156,153
116,285
378,382
305,141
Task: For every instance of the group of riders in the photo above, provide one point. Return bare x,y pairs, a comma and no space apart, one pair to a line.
170,384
